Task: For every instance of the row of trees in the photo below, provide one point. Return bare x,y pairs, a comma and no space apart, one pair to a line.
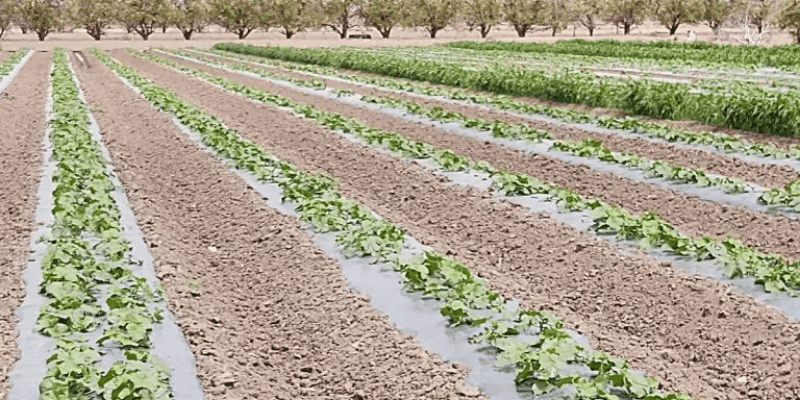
292,16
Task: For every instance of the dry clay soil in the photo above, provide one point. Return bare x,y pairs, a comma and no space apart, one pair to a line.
695,334
269,315
768,233
22,127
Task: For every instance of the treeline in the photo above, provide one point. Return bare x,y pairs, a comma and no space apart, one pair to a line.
292,16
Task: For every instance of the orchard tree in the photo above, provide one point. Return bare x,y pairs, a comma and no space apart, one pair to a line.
558,15
8,11
340,15
627,14
294,16
716,12
789,18
673,13
523,14
588,13
384,15
758,12
190,16
93,15
144,16
433,15
482,14
240,16
40,16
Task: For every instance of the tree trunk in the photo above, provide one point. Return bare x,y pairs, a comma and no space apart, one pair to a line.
163,29
553,31
187,33
384,31
485,31
760,28
24,29
289,34
433,30
243,32
673,29
591,31
521,29
42,35
626,29
94,31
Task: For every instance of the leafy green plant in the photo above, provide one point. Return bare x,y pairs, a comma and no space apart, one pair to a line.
467,300
721,141
9,63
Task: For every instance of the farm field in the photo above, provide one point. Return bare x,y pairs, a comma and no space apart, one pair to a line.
246,222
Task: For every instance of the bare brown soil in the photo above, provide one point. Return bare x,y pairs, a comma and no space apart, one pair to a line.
770,233
22,117
266,313
762,174
695,334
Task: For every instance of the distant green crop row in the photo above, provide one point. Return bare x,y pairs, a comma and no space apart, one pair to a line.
9,63
705,52
759,111
73,271
737,259
722,141
542,363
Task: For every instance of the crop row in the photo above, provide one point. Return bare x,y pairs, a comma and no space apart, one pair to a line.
723,142
87,260
8,64
759,110
785,57
772,271
541,363
789,195
587,148
706,80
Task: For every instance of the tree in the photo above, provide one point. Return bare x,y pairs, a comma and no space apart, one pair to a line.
482,14
144,16
41,16
8,12
340,15
588,13
294,15
433,15
523,14
789,18
627,14
384,15
93,15
673,13
240,16
716,12
757,12
190,16
558,15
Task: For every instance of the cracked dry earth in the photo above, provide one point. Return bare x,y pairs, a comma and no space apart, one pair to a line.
694,334
768,175
22,128
768,233
267,315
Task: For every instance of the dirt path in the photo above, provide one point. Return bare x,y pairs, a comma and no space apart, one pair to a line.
267,314
765,175
689,214
693,333
23,127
